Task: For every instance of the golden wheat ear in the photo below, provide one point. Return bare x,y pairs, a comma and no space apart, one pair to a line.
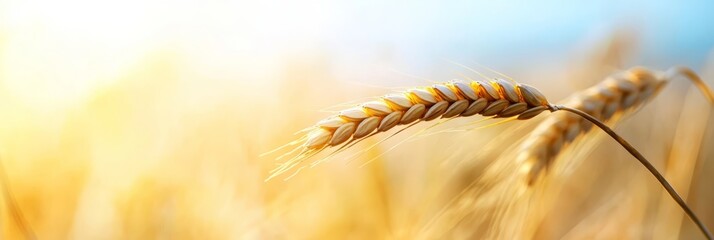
615,97
496,98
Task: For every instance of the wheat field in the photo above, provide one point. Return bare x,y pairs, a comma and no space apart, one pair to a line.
156,120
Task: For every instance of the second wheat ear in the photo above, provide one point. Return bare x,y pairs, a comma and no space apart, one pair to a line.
616,96
498,99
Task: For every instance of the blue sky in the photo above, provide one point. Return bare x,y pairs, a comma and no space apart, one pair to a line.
668,32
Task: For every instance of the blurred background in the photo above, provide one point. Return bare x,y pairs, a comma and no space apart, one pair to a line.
145,119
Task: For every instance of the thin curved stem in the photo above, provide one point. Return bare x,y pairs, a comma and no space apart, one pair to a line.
673,193
692,76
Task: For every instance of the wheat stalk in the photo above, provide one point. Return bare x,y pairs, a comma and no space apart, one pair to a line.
501,99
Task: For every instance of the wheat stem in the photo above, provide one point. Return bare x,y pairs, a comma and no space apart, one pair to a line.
692,76
663,181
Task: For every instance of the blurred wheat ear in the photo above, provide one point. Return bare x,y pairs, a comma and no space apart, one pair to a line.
616,96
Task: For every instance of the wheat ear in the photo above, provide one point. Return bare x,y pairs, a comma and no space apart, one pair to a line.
606,101
616,96
497,98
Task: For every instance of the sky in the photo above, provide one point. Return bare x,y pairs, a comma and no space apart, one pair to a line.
82,44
